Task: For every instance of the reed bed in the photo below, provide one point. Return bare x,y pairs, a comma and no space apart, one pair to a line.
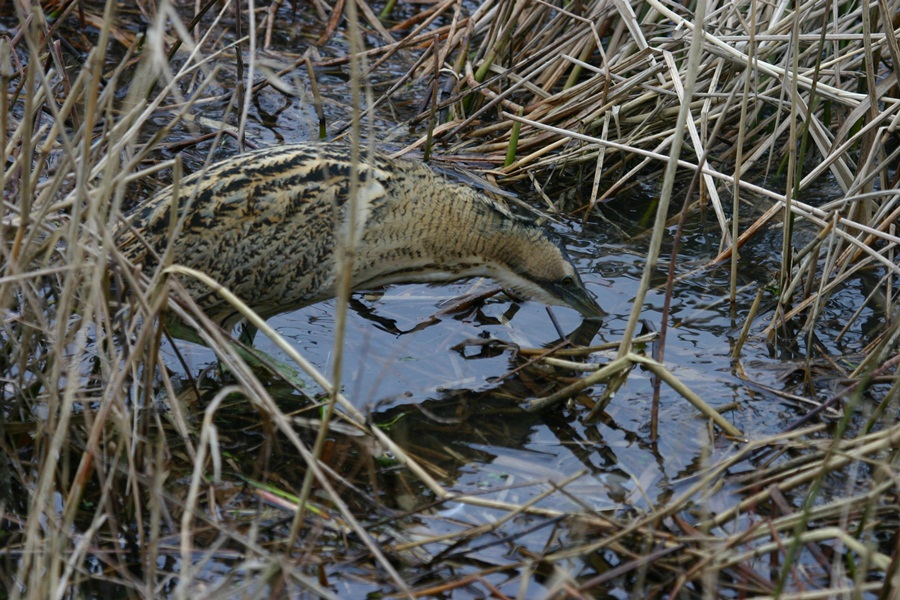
115,476
783,100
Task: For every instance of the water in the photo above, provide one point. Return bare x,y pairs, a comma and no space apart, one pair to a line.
444,383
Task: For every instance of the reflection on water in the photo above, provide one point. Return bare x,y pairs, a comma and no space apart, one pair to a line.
442,386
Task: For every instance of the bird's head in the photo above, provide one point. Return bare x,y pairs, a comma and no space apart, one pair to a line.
536,266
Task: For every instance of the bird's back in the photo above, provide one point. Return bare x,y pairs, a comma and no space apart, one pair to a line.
268,224
264,224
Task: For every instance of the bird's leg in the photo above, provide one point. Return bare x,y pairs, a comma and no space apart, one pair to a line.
255,359
248,332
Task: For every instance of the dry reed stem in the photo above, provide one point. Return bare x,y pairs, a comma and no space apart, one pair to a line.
559,112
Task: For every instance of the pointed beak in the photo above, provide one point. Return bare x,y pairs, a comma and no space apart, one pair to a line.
580,299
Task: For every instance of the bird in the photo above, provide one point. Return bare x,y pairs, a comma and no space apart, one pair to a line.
267,225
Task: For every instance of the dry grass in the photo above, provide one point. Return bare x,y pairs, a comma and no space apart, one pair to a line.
112,475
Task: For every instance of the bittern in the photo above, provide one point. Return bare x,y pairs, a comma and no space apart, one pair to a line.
267,224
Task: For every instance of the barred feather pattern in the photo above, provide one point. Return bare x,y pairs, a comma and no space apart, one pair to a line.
267,224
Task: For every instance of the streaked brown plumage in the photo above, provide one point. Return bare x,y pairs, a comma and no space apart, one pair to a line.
264,225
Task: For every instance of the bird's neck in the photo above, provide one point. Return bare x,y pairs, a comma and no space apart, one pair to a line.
441,233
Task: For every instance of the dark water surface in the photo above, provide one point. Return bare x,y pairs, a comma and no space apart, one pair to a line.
442,394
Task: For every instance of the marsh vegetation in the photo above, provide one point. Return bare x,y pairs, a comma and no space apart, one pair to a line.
725,176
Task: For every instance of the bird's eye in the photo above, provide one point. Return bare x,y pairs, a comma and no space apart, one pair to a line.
567,281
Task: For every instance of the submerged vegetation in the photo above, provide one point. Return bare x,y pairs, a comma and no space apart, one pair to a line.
127,471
